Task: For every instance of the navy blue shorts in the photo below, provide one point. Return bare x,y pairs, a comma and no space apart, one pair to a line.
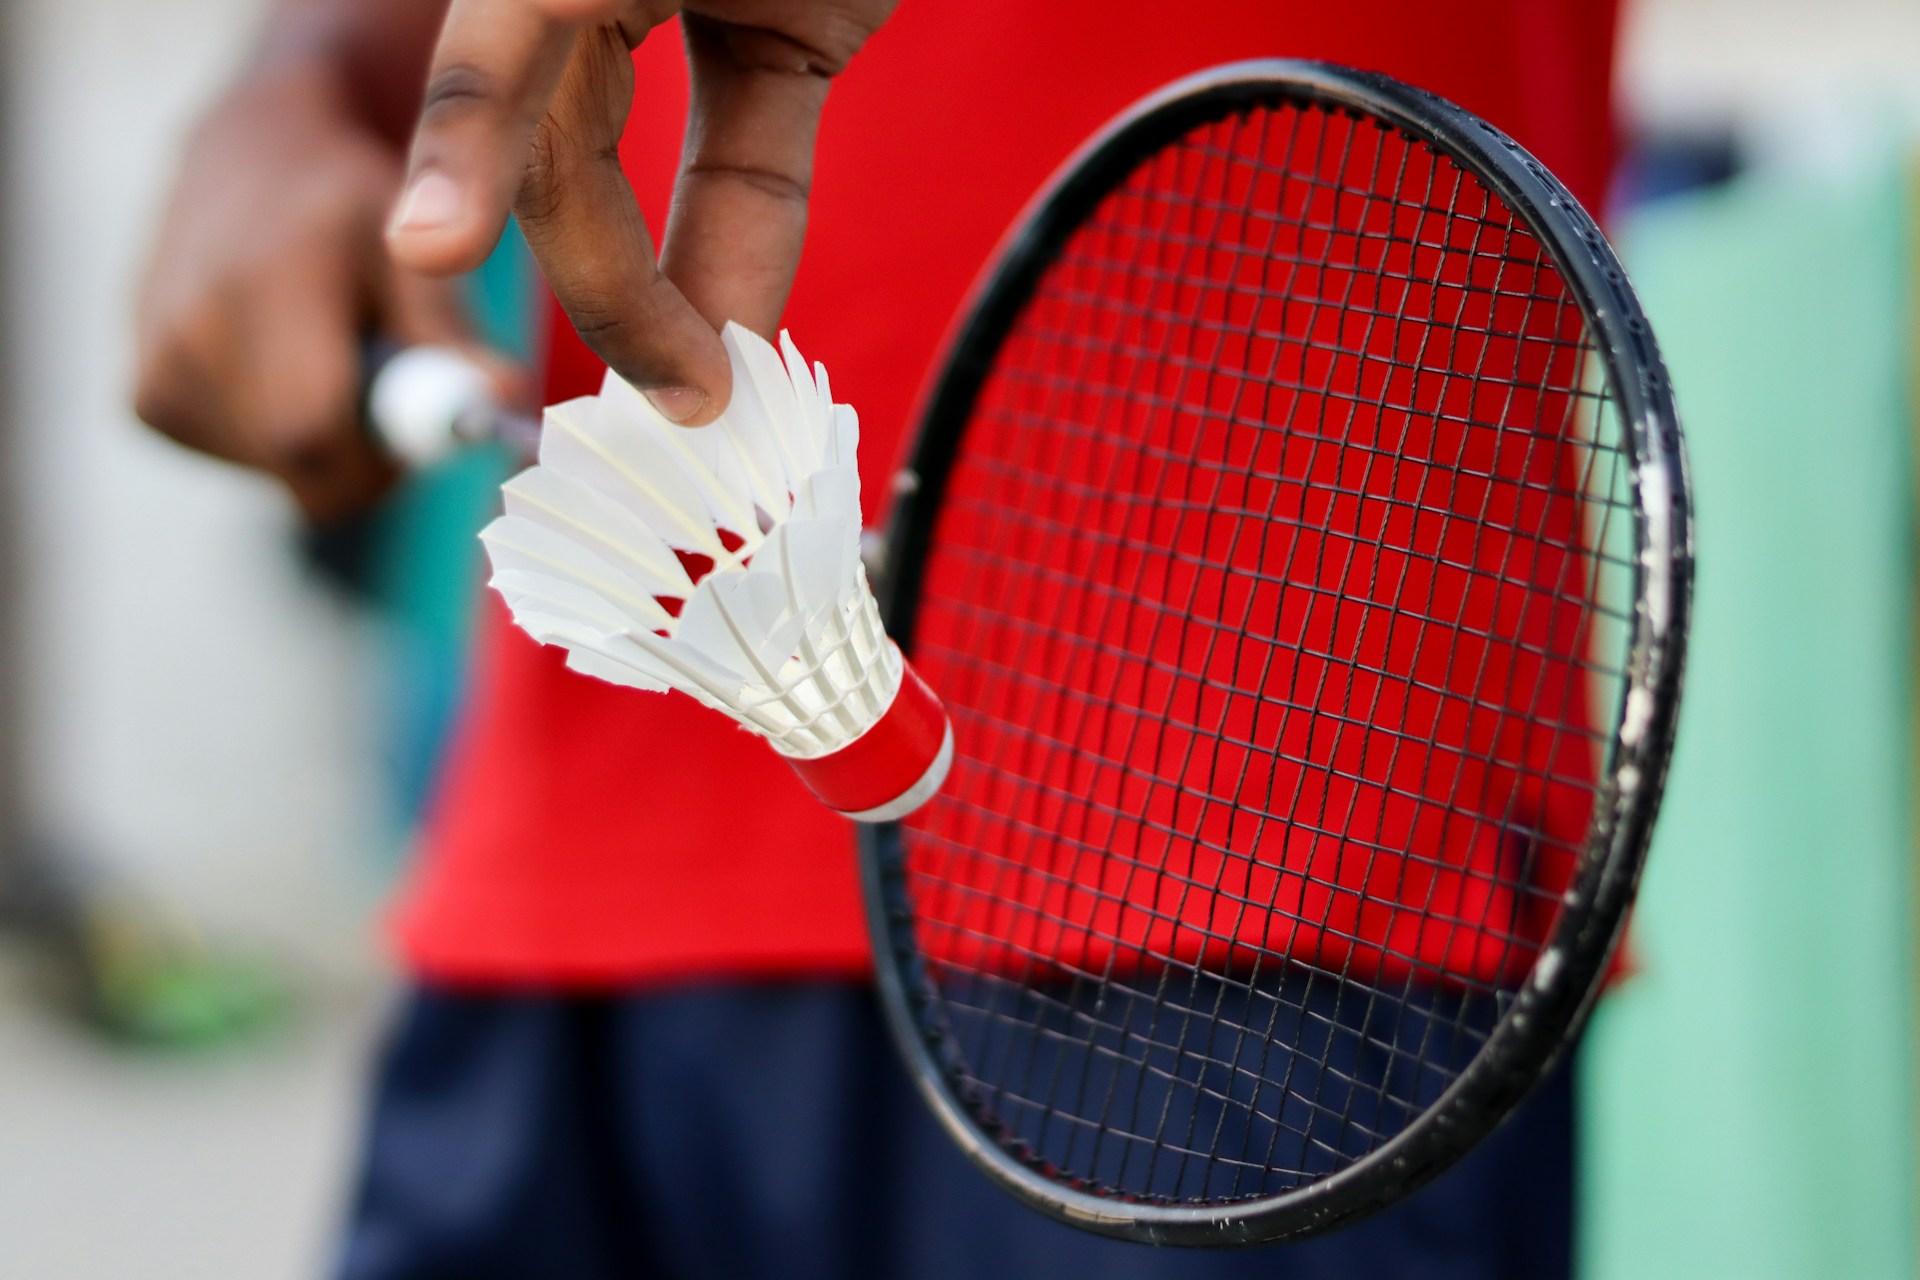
736,1131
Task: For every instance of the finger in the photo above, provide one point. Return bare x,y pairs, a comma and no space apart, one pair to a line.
740,207
299,402
584,225
414,309
270,380
493,72
177,387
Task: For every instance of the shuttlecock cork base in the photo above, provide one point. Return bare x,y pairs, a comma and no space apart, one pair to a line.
724,561
894,767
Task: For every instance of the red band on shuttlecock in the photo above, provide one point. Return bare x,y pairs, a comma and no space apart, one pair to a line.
894,767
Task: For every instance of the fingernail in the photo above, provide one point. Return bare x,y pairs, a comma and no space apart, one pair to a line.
677,404
431,200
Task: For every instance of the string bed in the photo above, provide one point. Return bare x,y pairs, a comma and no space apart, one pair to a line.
1280,598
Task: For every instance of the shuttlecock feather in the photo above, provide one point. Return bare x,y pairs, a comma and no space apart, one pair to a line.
722,561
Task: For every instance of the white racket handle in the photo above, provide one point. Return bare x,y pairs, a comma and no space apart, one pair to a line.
425,402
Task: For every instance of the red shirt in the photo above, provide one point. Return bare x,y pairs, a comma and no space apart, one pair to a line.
590,834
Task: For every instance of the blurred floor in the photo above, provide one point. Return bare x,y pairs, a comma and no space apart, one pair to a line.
125,1166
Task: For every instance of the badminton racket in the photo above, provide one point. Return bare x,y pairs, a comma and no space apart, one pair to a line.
1297,534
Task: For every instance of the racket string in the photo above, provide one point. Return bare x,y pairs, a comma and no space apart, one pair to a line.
1137,272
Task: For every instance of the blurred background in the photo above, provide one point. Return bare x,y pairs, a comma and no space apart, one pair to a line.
213,756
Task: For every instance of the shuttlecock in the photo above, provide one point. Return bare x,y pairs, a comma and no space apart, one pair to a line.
724,561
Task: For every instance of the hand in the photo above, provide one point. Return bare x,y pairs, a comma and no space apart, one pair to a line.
269,271
525,106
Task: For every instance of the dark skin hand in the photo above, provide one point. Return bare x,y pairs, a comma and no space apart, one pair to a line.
270,264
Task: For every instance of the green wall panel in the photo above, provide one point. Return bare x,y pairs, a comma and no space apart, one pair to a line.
1747,1095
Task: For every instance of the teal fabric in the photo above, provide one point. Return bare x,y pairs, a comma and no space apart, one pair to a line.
428,567
1748,1095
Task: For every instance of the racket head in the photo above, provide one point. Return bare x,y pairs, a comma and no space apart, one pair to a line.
1533,1007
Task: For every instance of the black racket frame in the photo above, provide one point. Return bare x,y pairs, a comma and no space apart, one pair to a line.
1550,1007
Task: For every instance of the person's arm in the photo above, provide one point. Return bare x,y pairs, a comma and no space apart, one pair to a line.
270,266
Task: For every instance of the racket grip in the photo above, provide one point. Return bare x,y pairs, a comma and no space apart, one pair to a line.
424,402
893,768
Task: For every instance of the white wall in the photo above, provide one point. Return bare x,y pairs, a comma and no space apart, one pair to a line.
1763,60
